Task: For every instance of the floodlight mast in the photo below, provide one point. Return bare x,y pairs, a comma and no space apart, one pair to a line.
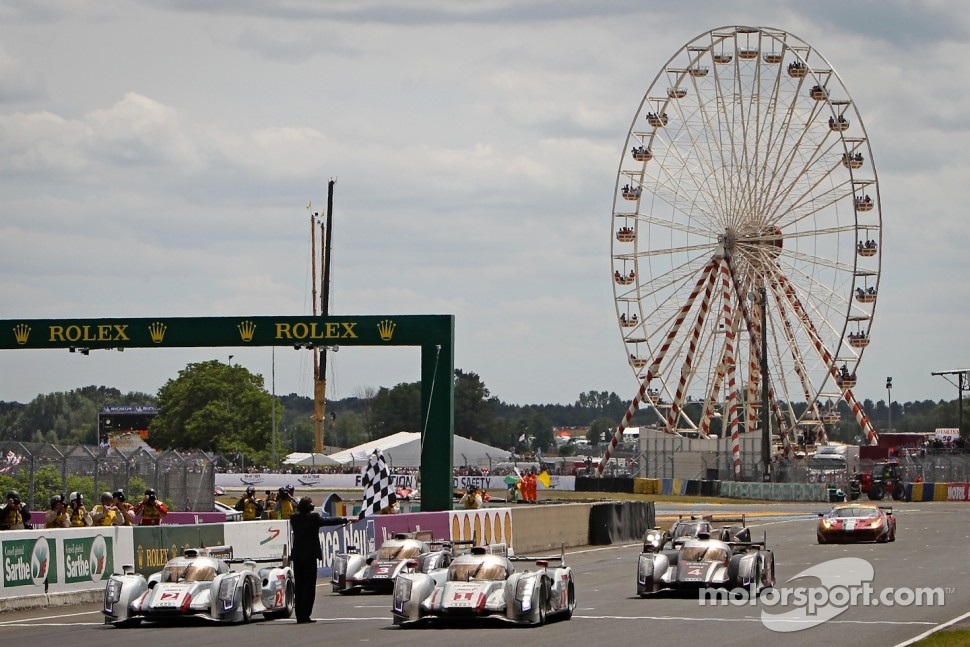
962,383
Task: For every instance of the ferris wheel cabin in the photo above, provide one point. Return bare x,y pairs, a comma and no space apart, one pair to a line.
797,70
852,161
625,235
642,154
818,93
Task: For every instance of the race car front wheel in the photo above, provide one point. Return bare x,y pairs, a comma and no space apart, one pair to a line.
543,601
247,602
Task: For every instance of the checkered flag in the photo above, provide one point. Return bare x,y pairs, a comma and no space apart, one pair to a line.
378,488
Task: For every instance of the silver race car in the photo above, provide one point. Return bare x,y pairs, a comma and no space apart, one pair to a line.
485,584
201,583
702,562
376,572
656,539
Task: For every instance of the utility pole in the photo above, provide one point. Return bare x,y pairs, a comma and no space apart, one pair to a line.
320,358
889,404
273,406
765,418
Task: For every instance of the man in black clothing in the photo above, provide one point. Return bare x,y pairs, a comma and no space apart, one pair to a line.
306,552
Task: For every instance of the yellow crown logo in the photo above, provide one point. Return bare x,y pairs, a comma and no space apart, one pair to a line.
386,329
21,332
157,331
246,330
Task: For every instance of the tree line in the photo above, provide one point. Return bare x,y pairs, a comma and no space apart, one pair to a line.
214,407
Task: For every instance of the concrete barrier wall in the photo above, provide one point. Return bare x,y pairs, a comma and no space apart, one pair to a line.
52,567
546,527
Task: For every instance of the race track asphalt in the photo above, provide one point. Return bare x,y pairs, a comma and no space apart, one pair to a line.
930,552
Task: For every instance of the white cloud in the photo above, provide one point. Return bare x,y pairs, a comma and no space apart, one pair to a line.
156,159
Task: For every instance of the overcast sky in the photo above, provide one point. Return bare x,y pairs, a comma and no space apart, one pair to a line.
156,159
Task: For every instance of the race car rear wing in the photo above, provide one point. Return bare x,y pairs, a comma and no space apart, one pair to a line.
211,551
543,561
284,559
744,545
716,518
492,549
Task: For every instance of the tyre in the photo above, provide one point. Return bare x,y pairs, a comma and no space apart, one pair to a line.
543,602
899,492
247,602
287,610
876,493
570,601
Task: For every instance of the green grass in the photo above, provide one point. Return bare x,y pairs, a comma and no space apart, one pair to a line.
954,638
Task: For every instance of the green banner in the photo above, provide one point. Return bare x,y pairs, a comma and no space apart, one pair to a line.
87,559
177,332
29,562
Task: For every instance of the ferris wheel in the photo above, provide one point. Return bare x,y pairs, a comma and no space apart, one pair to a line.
746,238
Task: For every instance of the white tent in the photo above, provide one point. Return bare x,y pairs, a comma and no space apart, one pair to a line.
309,460
403,449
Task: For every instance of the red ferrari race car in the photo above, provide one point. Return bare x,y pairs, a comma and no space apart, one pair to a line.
852,522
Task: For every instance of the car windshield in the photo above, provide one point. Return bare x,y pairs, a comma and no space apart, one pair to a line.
188,573
682,529
480,571
854,513
399,551
706,553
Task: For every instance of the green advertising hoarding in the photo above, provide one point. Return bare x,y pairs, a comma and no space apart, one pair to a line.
88,559
29,562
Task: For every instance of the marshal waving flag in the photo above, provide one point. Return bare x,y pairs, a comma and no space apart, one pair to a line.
378,487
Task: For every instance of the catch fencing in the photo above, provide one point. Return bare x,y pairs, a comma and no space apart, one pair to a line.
184,480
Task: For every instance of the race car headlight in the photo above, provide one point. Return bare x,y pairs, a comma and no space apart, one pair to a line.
523,592
112,592
402,588
875,523
826,523
652,541
339,566
227,588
